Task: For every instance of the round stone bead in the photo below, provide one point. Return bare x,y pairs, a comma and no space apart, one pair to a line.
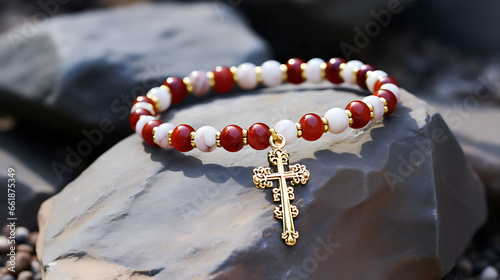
313,70
361,74
338,121
177,88
377,104
200,82
181,138
146,99
390,98
231,138
223,78
143,120
258,136
161,135
287,129
271,73
163,96
294,70
373,77
147,132
392,88
143,105
332,71
247,77
348,71
134,117
382,81
360,113
205,139
312,127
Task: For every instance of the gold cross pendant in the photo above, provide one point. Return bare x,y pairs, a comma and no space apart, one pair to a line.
282,172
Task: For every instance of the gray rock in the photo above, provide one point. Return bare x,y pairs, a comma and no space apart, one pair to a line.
385,198
489,273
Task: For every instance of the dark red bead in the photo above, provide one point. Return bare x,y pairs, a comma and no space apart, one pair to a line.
134,117
181,138
390,98
332,70
258,136
178,89
147,132
294,70
360,113
223,78
146,99
382,81
361,75
312,127
231,138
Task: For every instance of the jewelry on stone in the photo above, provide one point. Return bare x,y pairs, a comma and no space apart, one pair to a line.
259,136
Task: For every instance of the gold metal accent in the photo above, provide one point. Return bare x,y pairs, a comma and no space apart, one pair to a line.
386,109
284,69
383,101
192,134
154,131
355,71
217,139
323,70
155,100
341,67
371,110
170,137
234,70
245,139
211,80
189,85
349,114
325,124
303,68
297,174
299,129
258,70
368,73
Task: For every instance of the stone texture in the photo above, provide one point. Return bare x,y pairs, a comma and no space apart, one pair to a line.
140,211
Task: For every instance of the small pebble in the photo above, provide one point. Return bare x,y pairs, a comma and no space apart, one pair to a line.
4,245
25,248
8,277
22,234
464,266
32,238
25,275
38,276
35,266
489,273
23,262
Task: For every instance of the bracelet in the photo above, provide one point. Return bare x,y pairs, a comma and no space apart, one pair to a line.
259,136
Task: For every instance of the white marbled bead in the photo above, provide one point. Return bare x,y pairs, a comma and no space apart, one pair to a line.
347,72
205,139
392,88
143,120
161,135
271,73
163,95
373,77
378,106
338,121
287,129
247,77
143,105
200,82
313,70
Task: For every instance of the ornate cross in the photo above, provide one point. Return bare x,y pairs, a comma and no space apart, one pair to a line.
296,174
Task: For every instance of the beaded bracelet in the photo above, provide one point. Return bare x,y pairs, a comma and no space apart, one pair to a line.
259,136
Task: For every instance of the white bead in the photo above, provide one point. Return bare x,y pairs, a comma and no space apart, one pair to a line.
161,135
143,105
287,129
205,139
347,72
200,82
313,70
378,106
373,77
338,121
143,120
271,73
392,88
163,95
247,77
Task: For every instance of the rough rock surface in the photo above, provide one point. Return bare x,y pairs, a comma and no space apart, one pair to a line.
396,199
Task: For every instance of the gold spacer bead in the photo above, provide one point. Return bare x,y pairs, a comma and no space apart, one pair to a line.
349,114
371,110
299,130
325,124
284,76
323,69
217,139
355,71
245,140
303,67
170,137
156,101
258,70
211,80
234,70
386,109
341,67
192,134
154,138
383,101
368,73
189,85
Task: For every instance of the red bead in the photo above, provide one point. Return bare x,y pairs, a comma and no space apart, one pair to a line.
224,80
360,113
146,99
390,98
178,89
294,70
147,132
312,127
181,138
134,117
231,138
332,70
258,136
361,75
384,80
